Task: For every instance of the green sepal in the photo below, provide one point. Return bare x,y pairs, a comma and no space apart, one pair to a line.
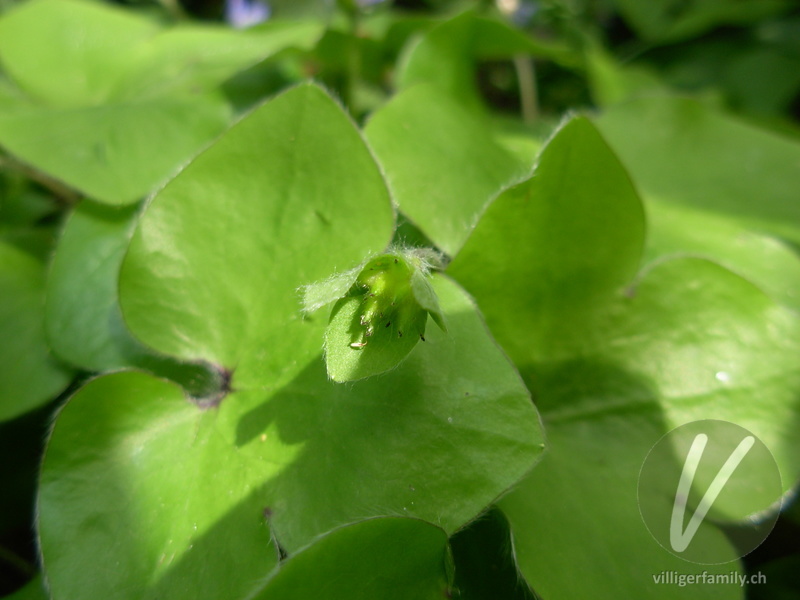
319,294
382,315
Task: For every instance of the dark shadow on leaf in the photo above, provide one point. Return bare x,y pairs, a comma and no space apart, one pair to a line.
582,387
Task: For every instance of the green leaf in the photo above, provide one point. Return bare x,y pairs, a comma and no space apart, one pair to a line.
116,103
188,58
447,55
437,438
663,20
34,590
579,507
297,185
616,360
26,214
457,381
356,64
21,204
763,80
441,162
382,318
29,376
10,95
115,152
83,321
389,558
69,53
483,557
716,346
583,230
770,263
95,53
135,474
612,82
694,342
702,204
523,140
681,152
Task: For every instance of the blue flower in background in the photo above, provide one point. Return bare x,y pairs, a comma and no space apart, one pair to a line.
519,11
244,13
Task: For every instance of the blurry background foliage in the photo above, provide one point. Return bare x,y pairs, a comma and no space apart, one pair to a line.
669,83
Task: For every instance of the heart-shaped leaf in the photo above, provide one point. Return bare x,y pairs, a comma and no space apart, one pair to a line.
136,475
296,182
579,191
615,363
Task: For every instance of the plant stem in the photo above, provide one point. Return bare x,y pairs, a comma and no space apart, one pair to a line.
17,562
60,191
526,75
